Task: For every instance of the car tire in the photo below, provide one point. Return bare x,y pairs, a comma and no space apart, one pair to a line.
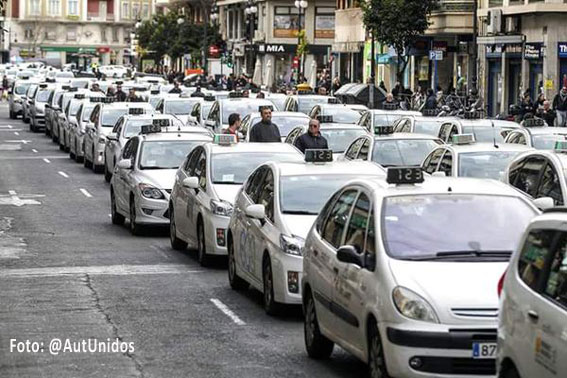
107,174
202,256
32,127
509,372
47,133
78,159
376,362
176,243
270,305
116,217
236,282
12,116
318,346
87,163
26,120
135,228
54,137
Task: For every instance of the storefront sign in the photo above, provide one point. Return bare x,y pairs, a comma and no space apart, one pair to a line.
436,55
325,26
548,84
439,46
562,49
275,48
513,50
533,51
103,50
493,51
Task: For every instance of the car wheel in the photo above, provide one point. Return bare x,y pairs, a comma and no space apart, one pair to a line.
176,243
317,345
78,159
509,372
135,228
270,305
202,256
32,127
53,137
47,133
107,174
234,279
12,116
376,361
116,217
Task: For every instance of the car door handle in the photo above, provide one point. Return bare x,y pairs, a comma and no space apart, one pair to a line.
533,315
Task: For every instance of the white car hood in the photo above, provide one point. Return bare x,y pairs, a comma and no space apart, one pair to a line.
467,286
299,225
227,192
160,178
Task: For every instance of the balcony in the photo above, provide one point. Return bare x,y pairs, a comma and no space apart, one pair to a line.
452,17
454,6
100,17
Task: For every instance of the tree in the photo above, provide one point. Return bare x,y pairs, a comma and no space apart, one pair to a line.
397,23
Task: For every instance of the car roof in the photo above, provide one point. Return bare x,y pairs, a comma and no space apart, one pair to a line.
354,167
486,147
405,136
546,130
395,112
282,114
175,136
121,105
252,147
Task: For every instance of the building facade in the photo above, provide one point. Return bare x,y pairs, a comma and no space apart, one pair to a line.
74,31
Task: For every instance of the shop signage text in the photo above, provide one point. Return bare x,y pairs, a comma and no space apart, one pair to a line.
532,51
562,49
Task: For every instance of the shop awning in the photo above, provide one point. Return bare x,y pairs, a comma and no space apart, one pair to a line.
69,49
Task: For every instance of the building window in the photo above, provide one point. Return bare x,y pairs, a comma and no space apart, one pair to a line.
125,10
35,7
54,7
50,35
286,21
135,11
71,34
325,22
29,33
115,36
145,11
103,34
73,8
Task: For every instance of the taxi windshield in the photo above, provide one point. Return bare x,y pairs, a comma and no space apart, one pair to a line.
427,127
391,153
205,108
341,114
278,101
87,110
426,227
241,107
546,141
134,126
74,107
487,164
154,101
386,119
22,88
110,116
486,133
339,139
179,107
165,154
43,95
234,168
285,123
307,194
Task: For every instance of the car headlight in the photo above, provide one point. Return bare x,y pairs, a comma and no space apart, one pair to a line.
149,191
292,245
221,208
413,306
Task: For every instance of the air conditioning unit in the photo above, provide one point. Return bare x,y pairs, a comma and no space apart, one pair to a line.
494,21
512,25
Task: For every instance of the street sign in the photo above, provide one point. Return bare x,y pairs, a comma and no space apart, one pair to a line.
435,55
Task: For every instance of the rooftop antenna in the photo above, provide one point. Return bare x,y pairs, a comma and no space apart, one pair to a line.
493,134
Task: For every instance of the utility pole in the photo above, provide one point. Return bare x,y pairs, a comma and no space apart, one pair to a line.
474,80
371,94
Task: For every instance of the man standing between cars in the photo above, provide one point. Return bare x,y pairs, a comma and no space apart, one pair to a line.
132,97
560,106
265,130
233,125
175,88
120,95
312,139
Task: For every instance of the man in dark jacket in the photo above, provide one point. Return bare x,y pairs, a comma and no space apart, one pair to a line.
175,88
265,130
431,100
547,113
560,106
312,139
120,95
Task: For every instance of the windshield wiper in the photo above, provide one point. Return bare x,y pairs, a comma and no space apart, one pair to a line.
299,212
227,183
467,254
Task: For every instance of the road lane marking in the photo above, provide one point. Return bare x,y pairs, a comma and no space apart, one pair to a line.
24,141
47,160
34,150
63,174
87,194
101,270
6,126
227,311
19,199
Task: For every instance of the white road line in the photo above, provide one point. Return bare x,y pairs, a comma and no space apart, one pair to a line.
63,174
87,194
227,311
34,150
47,161
99,270
16,133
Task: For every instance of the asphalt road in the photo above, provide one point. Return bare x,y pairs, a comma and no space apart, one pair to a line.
67,273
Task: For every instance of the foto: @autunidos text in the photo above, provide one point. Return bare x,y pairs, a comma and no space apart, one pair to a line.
63,346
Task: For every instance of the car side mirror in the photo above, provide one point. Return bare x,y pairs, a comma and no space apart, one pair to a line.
438,174
191,182
256,211
241,136
112,137
349,255
544,203
125,164
47,106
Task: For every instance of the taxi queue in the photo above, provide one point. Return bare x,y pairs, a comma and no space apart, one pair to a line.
415,243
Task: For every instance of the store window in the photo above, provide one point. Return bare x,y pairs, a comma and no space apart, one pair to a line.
324,22
73,8
135,11
115,36
145,10
50,35
286,21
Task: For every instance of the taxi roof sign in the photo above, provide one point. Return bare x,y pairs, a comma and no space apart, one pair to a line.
390,106
150,129
135,111
162,122
383,130
79,96
105,100
333,100
461,139
325,118
318,156
224,139
235,94
534,122
209,98
560,146
404,175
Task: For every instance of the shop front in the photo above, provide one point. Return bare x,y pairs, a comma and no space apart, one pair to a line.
562,55
514,73
494,90
533,54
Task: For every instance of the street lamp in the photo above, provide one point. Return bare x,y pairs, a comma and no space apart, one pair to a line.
214,13
300,5
250,11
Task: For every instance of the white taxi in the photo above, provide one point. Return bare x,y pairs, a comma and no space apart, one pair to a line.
394,273
536,134
144,177
272,214
286,121
217,119
206,185
532,334
373,118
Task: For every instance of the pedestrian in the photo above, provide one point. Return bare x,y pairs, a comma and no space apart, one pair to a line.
120,95
390,102
265,130
431,100
4,89
527,106
198,92
175,88
261,95
233,125
560,107
132,97
383,86
547,113
96,88
322,91
312,139
110,92
540,100
336,84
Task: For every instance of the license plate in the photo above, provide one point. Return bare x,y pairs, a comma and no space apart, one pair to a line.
484,350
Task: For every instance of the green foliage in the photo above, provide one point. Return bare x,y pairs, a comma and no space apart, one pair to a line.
397,23
302,45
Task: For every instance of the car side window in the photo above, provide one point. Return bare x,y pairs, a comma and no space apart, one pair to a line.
200,170
336,222
535,253
325,212
352,151
555,284
430,164
266,194
446,164
357,223
191,161
550,185
528,175
117,126
364,150
126,152
253,184
370,245
445,131
512,138
521,138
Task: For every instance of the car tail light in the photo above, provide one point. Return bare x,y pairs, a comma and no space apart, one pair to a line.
501,284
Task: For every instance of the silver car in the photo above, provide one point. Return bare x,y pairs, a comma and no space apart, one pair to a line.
16,97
